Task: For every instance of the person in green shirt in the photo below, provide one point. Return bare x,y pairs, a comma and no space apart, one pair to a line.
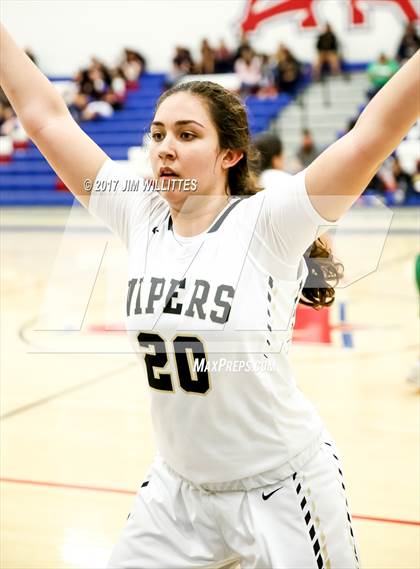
380,72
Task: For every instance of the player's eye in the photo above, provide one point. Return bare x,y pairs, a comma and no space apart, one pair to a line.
157,136
187,135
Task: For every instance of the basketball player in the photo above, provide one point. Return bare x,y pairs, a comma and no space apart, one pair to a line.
271,160
245,471
414,374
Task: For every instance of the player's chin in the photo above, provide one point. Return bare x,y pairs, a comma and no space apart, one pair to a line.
176,196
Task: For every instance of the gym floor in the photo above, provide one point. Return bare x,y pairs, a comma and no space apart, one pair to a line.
76,437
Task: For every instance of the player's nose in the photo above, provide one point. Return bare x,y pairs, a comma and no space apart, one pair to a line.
167,148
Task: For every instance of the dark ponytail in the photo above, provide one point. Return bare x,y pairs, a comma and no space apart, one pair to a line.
324,273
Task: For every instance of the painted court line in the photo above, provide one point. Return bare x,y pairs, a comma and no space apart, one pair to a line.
67,486
59,394
130,492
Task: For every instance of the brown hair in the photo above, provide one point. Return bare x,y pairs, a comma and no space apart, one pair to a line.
324,273
268,145
229,116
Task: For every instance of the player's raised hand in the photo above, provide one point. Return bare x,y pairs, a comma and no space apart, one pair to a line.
341,173
46,119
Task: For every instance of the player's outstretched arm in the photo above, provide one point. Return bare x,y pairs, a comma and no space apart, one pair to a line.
46,119
340,174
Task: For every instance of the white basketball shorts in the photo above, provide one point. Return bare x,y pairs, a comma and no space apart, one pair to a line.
301,522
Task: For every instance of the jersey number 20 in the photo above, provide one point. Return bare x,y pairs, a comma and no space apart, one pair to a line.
159,359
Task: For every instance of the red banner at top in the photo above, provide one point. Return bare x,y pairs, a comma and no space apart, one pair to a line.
257,11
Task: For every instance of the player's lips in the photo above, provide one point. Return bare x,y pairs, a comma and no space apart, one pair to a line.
167,173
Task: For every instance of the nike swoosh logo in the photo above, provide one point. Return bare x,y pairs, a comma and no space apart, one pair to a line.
266,496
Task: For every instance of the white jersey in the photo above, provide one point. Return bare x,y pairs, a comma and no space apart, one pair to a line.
211,318
274,178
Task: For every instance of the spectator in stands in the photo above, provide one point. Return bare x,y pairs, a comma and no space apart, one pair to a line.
244,44
97,110
118,88
410,43
77,105
413,376
287,71
270,164
223,58
100,81
207,63
380,72
416,178
404,183
84,109
94,81
4,106
248,70
9,123
182,64
267,87
307,151
100,91
391,181
8,120
133,65
327,53
378,184
272,175
84,83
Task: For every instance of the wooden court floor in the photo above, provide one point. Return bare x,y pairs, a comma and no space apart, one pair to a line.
75,426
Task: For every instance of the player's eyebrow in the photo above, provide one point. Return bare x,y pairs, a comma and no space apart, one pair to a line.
178,123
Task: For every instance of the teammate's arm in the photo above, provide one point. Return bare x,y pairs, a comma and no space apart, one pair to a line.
340,174
46,119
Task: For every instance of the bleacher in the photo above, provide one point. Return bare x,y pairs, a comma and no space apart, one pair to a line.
29,180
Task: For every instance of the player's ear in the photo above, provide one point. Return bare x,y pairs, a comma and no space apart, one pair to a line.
231,157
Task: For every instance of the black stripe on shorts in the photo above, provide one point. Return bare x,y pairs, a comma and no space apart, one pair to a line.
318,542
